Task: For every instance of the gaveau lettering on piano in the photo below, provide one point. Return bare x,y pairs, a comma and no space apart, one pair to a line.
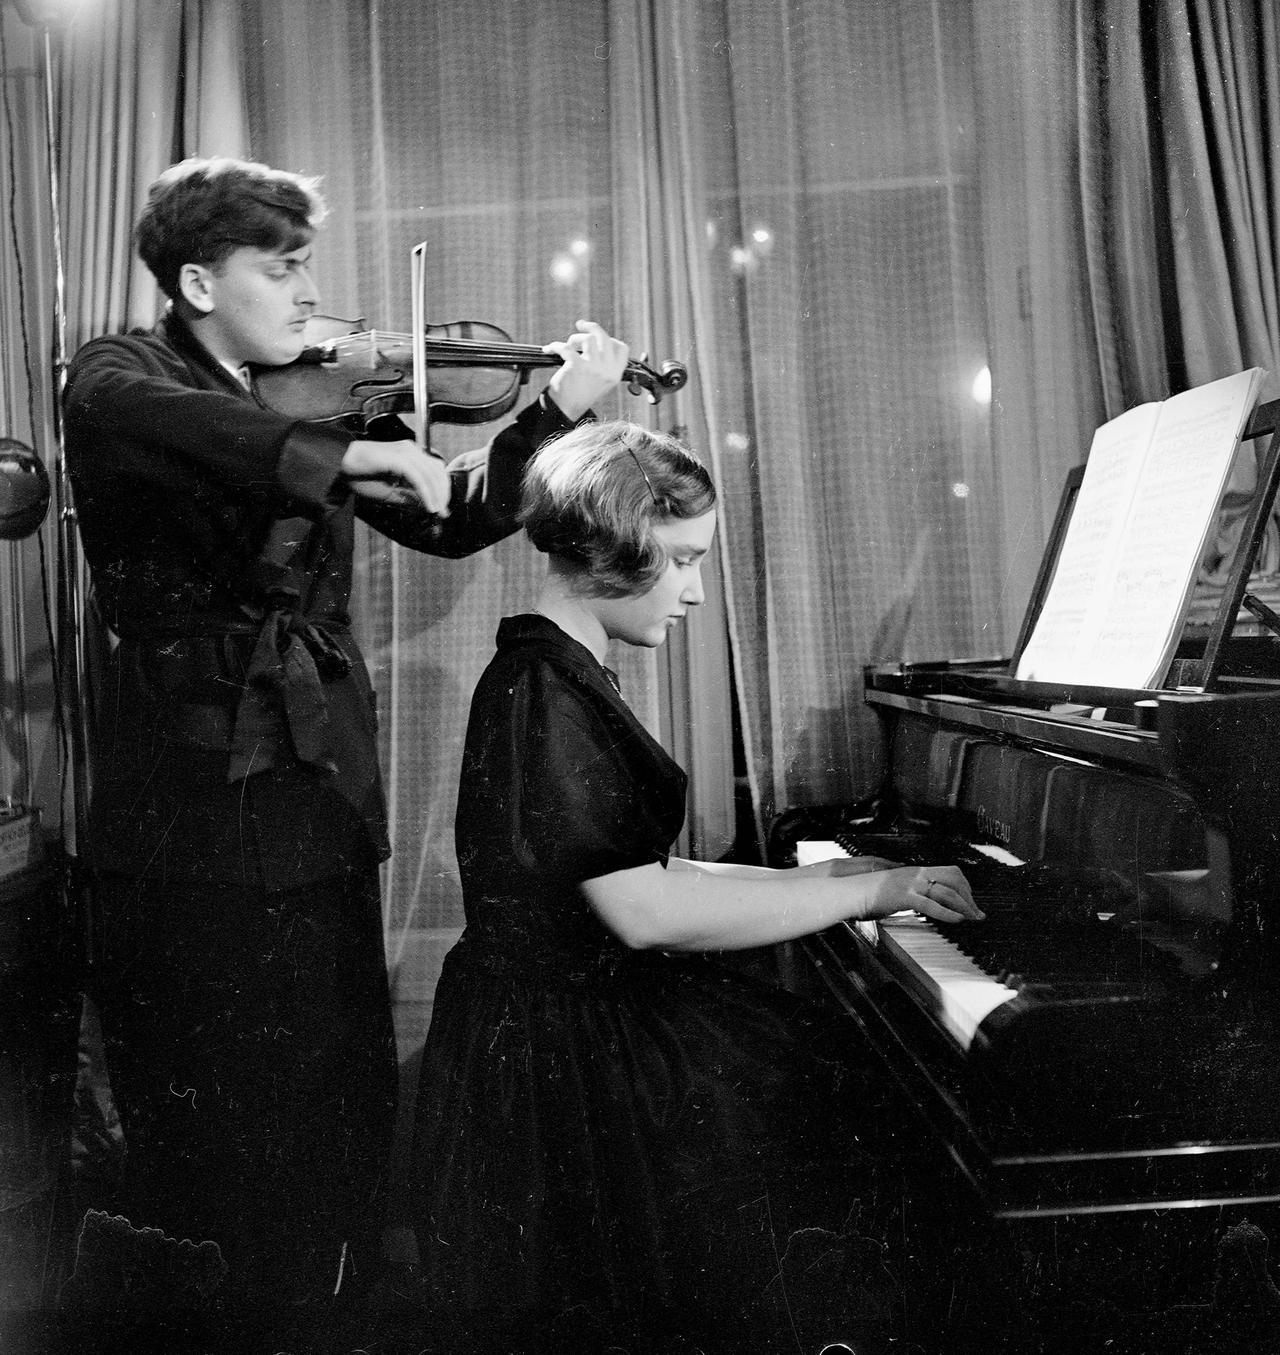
1100,1058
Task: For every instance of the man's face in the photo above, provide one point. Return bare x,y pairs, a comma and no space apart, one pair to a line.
253,305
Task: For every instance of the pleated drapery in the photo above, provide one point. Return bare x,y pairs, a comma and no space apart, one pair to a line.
911,254
1181,198
782,196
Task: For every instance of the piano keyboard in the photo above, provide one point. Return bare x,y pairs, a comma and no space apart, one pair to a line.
958,993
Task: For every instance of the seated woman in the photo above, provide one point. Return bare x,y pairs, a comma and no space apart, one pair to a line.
622,1143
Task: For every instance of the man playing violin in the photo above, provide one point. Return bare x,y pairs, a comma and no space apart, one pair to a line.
237,820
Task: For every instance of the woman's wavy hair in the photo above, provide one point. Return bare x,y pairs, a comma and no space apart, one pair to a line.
594,495
202,210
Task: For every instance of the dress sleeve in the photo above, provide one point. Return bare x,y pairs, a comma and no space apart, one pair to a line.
567,779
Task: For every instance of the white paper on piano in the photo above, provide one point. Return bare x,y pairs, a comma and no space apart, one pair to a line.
1142,520
961,993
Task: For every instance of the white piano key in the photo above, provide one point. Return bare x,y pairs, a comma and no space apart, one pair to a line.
963,993
966,994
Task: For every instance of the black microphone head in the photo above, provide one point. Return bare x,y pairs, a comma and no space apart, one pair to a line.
24,490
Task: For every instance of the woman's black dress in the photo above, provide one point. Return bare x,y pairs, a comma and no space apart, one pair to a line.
646,1147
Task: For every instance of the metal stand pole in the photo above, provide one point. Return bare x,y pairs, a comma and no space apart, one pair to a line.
69,638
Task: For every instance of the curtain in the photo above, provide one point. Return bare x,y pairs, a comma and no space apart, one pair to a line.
838,215
134,80
31,761
143,84
30,756
130,82
517,145
782,196
1046,397
1181,196
135,85
844,217
841,360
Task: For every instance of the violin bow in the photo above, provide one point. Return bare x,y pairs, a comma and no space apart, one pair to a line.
418,282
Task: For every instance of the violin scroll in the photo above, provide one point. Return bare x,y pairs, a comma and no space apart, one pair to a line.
641,379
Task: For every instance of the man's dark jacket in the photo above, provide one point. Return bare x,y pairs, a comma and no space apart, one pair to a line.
236,726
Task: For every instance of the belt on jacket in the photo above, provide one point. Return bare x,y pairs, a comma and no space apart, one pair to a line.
291,657
283,690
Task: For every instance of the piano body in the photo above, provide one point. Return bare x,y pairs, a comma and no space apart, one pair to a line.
1108,1038
1100,1057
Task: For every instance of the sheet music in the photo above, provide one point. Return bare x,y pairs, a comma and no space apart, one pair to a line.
1092,542
1145,512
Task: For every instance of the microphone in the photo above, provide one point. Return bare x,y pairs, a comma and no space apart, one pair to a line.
24,490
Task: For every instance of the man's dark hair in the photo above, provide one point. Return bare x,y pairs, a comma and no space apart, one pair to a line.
200,211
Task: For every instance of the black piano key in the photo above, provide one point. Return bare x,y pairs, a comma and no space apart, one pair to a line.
1045,925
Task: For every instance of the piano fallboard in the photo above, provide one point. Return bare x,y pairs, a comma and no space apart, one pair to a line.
1128,1063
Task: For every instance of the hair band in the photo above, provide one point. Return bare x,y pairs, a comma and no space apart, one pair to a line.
645,473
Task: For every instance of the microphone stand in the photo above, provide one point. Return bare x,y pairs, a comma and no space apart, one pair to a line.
69,640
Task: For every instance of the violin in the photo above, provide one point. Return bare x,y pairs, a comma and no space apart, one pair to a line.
358,377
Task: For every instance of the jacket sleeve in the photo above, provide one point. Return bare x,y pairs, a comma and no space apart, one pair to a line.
484,490
160,424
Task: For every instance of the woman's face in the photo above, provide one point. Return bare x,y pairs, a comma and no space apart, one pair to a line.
645,618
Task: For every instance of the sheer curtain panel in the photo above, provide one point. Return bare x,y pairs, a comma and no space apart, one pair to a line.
782,195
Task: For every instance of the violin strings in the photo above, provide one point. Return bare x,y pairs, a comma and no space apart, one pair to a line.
462,352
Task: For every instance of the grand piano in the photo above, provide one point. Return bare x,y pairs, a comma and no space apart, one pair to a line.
1107,1043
